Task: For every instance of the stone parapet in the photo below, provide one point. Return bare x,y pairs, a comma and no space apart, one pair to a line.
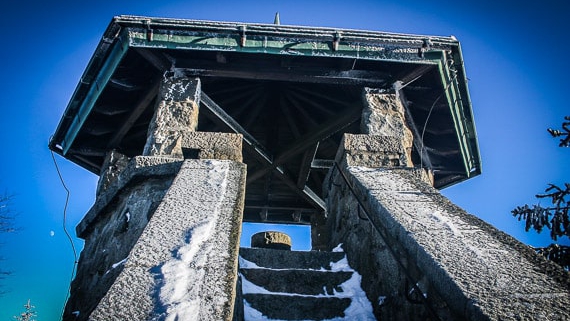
184,264
113,225
420,256
113,165
176,113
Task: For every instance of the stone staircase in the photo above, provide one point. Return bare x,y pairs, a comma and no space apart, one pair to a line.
289,285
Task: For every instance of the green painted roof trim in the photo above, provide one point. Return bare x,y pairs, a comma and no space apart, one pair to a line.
274,45
177,34
96,87
462,117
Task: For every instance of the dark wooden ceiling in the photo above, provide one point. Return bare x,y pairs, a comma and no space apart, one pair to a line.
292,110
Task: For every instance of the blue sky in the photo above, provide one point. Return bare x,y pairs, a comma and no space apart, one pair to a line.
515,57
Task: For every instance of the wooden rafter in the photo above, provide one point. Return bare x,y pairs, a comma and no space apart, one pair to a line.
134,115
333,125
253,147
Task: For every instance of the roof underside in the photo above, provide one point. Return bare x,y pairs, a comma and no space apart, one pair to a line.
294,90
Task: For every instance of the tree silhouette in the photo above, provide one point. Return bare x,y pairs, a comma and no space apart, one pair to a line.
6,225
28,314
554,217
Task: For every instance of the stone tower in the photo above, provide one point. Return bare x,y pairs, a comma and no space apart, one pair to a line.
196,126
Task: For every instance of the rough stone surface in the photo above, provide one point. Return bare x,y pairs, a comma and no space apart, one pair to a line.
371,151
212,145
138,169
271,240
313,260
286,307
113,225
383,114
201,212
297,281
468,269
113,165
291,285
176,113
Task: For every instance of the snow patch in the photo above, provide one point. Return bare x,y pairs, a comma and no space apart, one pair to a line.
245,264
179,300
341,265
338,248
115,265
178,274
248,287
446,222
359,309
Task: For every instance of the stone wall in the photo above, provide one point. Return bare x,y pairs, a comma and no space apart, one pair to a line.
422,257
184,264
113,225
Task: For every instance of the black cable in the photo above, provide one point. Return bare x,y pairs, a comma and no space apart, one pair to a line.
65,230
428,116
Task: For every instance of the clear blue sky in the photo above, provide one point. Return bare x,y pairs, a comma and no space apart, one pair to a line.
516,61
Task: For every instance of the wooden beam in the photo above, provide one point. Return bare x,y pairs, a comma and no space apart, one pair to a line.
412,76
306,162
159,62
139,108
274,73
224,118
259,152
322,164
333,125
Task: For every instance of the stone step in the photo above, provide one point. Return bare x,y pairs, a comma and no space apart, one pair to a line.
307,282
287,307
280,259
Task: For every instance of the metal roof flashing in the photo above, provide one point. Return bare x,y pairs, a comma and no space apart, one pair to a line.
427,66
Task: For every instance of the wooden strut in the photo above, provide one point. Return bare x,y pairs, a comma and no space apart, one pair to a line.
260,153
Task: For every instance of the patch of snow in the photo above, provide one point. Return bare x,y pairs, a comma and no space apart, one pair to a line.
341,265
381,300
338,248
128,215
121,262
178,274
245,264
359,309
176,295
248,287
115,265
446,222
251,314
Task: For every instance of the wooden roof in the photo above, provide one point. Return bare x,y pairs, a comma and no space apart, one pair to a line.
292,91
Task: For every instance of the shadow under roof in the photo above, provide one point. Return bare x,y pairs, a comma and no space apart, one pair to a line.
295,90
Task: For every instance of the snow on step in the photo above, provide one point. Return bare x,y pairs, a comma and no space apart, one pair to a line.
334,302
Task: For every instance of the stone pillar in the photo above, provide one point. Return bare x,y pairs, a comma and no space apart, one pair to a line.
176,113
384,115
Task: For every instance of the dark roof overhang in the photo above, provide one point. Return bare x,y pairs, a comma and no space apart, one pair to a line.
323,68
